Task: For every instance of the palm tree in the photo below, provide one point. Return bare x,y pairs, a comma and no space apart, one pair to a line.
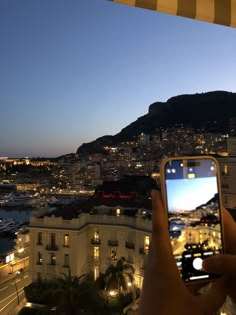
68,294
117,276
78,295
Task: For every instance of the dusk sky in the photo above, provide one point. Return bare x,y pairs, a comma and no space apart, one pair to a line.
188,194
74,70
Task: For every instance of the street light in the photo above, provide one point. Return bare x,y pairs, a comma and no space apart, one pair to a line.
113,293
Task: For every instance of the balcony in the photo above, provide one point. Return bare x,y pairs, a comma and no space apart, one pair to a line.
129,245
51,264
95,241
112,243
51,267
51,247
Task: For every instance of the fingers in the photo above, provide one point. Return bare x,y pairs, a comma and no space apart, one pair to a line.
161,277
214,298
221,264
161,250
159,218
229,226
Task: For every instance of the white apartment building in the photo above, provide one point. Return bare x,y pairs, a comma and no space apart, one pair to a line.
228,180
202,233
88,243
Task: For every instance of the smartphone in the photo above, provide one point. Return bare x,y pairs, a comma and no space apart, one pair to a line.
192,197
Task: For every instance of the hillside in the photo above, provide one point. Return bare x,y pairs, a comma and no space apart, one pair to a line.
211,111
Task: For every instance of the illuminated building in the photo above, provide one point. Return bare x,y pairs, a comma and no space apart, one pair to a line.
228,184
88,242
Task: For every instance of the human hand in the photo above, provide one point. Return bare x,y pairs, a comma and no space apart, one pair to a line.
164,292
225,264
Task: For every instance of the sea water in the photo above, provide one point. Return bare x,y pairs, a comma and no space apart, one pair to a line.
20,215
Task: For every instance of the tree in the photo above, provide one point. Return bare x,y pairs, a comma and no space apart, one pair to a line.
67,293
117,276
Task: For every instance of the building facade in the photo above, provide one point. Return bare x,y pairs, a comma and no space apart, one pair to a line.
228,183
88,243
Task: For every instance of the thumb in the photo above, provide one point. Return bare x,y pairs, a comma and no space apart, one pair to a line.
220,264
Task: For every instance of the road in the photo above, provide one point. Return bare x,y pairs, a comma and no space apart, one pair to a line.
12,285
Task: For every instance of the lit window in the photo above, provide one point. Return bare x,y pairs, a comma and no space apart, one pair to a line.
226,169
146,244
96,235
117,212
66,240
96,252
96,273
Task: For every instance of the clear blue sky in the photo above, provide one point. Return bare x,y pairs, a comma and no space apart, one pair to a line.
188,194
74,70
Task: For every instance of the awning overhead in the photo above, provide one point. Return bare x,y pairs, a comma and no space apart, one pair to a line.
214,11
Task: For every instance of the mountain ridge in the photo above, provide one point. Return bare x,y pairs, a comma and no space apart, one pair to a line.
211,111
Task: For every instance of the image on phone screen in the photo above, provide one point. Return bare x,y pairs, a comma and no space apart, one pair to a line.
194,216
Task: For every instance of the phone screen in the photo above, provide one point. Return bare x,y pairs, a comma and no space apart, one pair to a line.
192,198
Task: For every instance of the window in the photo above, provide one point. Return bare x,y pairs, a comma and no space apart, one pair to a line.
66,240
113,254
53,259
95,238
146,244
96,273
226,170
66,260
39,258
96,235
118,212
53,240
96,252
40,238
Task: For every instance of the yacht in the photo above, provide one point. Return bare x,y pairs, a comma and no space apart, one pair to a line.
8,226
17,199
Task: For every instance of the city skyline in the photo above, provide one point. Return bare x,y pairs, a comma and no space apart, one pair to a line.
74,71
